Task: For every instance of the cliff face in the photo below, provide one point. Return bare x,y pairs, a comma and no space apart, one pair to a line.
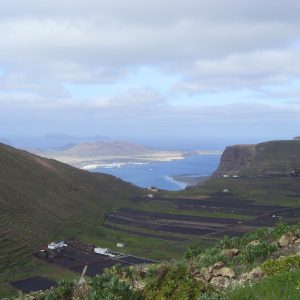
234,158
278,158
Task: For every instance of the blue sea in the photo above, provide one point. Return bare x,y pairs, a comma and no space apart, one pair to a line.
159,174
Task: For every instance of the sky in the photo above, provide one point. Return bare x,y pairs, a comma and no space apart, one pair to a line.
156,72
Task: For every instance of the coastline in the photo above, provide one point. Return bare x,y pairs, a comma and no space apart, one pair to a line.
193,169
190,180
94,162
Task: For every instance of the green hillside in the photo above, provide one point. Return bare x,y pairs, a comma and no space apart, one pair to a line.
264,264
42,199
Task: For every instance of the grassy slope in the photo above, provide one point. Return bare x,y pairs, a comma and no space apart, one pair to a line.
282,286
43,199
181,279
60,195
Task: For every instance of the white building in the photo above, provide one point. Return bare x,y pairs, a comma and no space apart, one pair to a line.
103,251
56,245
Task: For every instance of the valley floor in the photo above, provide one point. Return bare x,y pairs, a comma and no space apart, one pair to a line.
163,226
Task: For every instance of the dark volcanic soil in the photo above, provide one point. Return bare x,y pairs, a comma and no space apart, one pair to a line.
33,284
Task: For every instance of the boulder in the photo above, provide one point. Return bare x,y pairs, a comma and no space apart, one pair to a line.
217,265
255,274
286,240
231,252
204,273
224,272
254,243
220,282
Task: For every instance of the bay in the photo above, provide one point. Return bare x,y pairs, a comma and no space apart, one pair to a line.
160,174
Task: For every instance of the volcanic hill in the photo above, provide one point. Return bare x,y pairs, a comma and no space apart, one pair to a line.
43,199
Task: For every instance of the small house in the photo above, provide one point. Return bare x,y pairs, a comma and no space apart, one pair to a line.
56,245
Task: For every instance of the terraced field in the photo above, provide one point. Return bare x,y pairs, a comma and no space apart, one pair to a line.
76,260
196,219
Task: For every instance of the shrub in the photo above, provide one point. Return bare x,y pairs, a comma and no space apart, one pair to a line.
261,234
280,229
253,252
64,291
211,256
228,242
191,252
288,263
281,286
174,282
108,286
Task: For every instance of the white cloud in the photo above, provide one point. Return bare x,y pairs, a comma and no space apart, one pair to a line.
210,46
100,41
248,70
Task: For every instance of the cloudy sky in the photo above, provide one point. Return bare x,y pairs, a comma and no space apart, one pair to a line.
151,70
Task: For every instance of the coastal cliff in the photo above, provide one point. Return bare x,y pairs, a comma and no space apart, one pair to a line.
275,158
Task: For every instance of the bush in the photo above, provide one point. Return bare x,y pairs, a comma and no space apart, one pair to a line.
288,263
64,291
210,256
228,242
260,234
174,282
281,286
108,286
280,229
191,252
253,252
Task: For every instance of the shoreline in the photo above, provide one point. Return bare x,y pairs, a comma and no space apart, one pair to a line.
191,180
94,162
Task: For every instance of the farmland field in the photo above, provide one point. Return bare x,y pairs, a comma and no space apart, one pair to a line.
203,214
162,227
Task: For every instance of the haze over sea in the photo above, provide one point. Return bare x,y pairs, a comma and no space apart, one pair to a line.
161,174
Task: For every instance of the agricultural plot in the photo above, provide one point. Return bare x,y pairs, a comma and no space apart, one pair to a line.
75,260
33,284
208,217
146,234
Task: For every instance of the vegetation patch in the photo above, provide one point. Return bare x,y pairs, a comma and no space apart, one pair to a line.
282,264
282,286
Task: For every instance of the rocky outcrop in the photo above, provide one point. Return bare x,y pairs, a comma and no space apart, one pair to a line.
286,240
234,158
230,252
275,158
253,275
217,275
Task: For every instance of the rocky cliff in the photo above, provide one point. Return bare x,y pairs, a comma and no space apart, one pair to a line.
277,158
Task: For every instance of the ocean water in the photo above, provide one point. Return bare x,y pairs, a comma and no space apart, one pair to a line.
159,174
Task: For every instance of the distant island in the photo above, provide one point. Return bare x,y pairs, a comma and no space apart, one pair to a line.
111,154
